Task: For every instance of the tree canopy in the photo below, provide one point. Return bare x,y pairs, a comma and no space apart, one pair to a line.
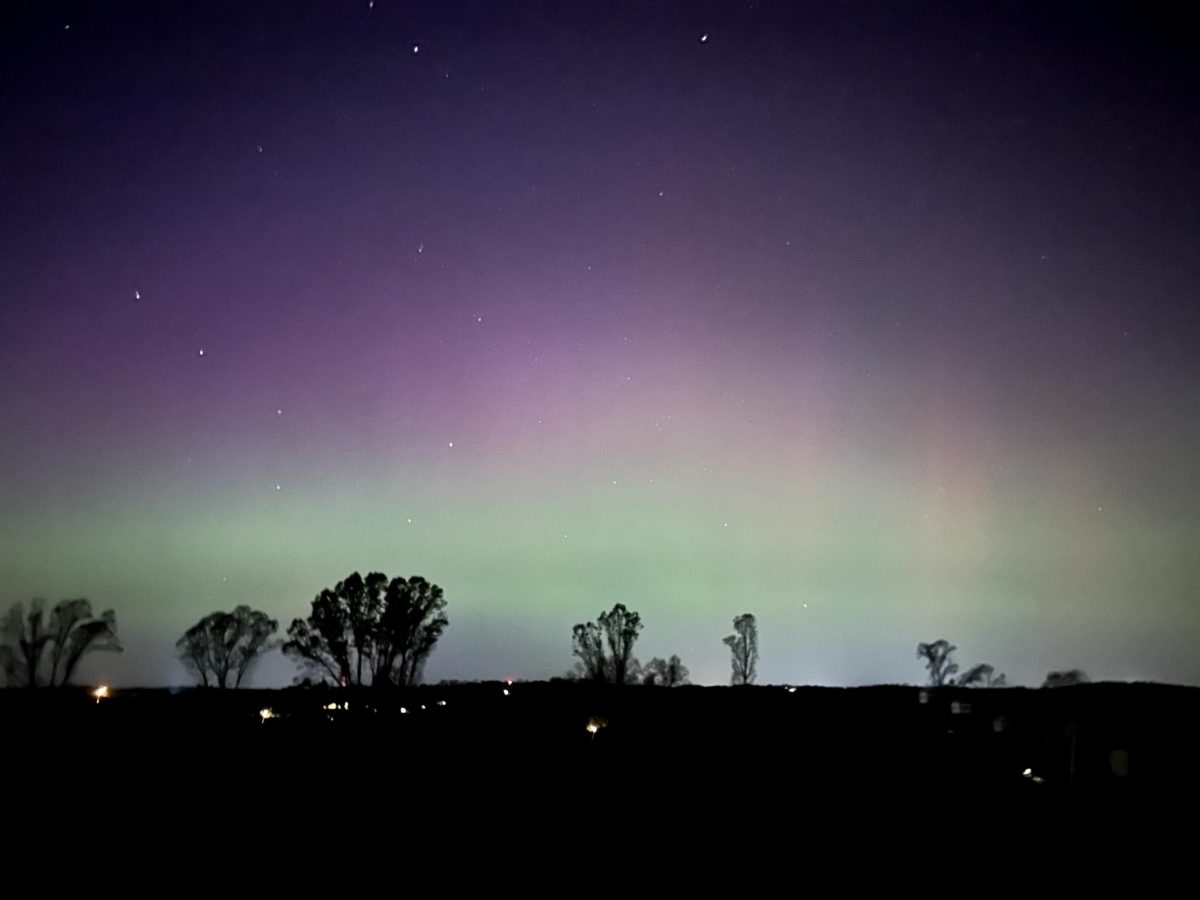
370,631
605,646
225,645
43,649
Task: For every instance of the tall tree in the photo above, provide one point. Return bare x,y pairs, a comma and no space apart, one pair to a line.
39,649
743,645
370,631
665,672
939,660
587,642
605,646
224,645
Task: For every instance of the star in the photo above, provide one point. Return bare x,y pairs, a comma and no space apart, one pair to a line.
278,487
704,38
137,295
260,150
451,443
201,351
416,48
279,412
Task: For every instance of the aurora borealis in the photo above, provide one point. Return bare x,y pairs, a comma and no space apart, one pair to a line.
877,320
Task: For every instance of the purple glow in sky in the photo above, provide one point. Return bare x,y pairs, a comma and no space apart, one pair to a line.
877,320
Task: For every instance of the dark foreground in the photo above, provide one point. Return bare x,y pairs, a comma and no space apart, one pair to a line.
790,744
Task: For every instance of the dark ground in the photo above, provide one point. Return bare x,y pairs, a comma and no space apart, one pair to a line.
1097,739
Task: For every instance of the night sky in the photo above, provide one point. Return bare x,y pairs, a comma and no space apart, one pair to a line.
879,321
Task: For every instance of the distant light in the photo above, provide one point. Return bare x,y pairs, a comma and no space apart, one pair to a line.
452,443
441,703
416,48
508,681
201,352
791,690
704,38
100,693
506,692
595,723
1028,773
137,295
331,706
267,713
403,710
422,706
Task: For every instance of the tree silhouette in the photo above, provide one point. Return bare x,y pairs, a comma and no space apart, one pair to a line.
370,631
1066,679
587,642
38,650
938,661
982,675
605,646
226,644
665,672
743,644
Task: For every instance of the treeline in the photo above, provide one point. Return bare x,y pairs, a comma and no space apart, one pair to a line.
380,632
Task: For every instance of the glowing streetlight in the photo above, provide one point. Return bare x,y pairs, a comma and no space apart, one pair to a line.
267,713
100,693
595,723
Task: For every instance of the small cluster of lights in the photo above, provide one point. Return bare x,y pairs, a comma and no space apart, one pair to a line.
1036,779
101,693
595,723
267,713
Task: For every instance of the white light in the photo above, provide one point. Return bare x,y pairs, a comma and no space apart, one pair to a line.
266,713
1028,773
416,48
403,710
451,443
791,690
422,706
201,351
506,692
100,693
704,38
441,703
137,295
